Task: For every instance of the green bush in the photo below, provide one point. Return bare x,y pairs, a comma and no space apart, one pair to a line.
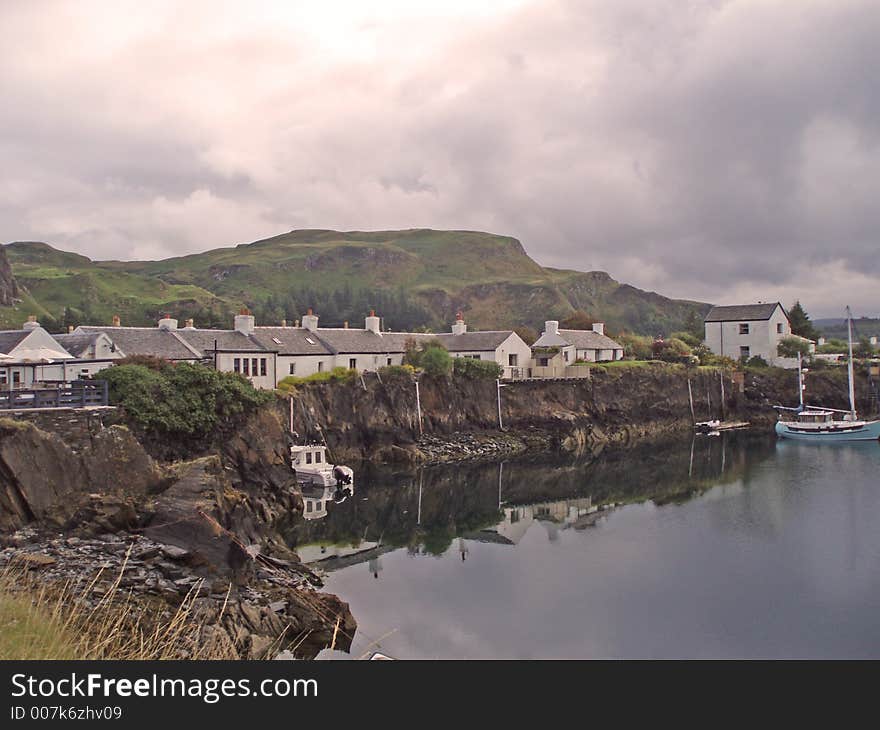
397,371
468,367
791,346
689,339
671,350
636,346
756,361
336,375
182,404
436,361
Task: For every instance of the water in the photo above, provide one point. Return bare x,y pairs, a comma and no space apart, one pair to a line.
735,546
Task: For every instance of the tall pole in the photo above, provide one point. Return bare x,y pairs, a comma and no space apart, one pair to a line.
498,391
852,387
691,401
721,378
418,408
801,380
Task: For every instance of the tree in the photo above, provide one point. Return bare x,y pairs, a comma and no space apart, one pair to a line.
791,346
436,361
800,322
578,320
529,335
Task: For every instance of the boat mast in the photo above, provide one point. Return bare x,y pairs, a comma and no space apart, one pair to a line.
852,389
801,380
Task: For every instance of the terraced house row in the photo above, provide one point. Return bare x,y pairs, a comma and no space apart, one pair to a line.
268,354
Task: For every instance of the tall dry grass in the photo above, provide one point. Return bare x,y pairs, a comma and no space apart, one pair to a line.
57,621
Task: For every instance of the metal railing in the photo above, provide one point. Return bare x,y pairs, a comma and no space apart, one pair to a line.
77,394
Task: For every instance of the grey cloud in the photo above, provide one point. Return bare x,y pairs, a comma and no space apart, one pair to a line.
702,149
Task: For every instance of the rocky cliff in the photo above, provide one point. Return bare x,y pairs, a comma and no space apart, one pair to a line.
8,285
213,524
375,418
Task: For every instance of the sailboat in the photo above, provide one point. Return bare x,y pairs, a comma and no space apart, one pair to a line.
827,425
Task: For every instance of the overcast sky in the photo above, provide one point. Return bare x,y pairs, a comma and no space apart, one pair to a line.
722,151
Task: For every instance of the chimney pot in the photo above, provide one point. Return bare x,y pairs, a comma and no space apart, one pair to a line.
599,328
372,322
117,322
345,325
70,329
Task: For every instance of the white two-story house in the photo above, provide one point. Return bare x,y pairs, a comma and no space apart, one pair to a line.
747,330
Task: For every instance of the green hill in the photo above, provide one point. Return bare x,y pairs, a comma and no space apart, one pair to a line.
413,278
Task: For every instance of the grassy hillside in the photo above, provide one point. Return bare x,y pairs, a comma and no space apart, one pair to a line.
413,278
836,328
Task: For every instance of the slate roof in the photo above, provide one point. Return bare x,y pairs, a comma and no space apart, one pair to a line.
145,341
356,340
227,341
77,344
292,341
474,341
581,339
10,339
742,313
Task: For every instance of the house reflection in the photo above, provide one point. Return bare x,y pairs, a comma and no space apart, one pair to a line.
552,516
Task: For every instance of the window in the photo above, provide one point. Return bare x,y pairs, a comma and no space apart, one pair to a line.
318,506
236,365
543,361
308,505
310,340
254,366
744,329
744,352
320,366
246,366
389,361
276,340
16,377
292,370
308,457
779,328
512,360
262,366
352,363
317,457
4,377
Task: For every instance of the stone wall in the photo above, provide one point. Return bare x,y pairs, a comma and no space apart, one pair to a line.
77,427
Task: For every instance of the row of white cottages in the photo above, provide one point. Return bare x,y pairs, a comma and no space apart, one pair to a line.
266,355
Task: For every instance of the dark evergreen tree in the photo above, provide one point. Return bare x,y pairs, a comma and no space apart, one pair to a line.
800,322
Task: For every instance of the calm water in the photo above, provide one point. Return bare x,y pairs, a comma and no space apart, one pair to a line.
728,547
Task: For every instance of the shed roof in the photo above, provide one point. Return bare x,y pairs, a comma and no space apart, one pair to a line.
743,312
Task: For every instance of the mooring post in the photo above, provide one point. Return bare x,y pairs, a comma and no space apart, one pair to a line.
498,391
418,408
691,401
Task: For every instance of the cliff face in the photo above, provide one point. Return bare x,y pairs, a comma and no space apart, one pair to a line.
213,524
377,420
8,286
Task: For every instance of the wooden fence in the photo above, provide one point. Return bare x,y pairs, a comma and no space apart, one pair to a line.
77,394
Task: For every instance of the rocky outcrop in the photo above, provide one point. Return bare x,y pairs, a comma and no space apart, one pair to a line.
8,286
214,525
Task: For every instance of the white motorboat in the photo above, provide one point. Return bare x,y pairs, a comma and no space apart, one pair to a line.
313,467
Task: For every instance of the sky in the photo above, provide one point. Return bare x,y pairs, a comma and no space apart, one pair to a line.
725,151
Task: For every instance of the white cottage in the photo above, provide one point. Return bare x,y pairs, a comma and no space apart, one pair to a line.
747,330
504,347
31,355
559,353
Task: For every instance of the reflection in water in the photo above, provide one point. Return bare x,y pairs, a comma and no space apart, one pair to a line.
426,509
733,546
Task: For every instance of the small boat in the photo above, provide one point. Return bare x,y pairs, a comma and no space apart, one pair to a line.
313,468
822,425
707,427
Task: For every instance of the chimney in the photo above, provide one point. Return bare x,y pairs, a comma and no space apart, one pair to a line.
372,322
167,323
551,327
459,328
296,323
310,321
872,340
116,321
244,322
188,324
284,323
821,341
31,323
70,329
599,328
345,325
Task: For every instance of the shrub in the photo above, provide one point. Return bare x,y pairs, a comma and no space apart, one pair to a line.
183,404
397,371
636,346
688,338
671,350
436,361
792,346
755,361
336,375
468,367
